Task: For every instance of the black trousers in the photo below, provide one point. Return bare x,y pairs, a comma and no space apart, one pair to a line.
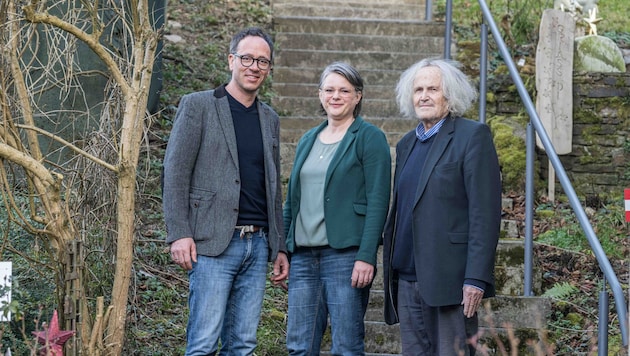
433,331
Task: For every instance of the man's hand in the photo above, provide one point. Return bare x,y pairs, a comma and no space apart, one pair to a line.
362,274
280,270
472,300
184,252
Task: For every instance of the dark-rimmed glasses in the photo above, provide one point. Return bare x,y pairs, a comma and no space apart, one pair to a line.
248,61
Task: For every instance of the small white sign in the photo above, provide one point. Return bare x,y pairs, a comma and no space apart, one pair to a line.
5,288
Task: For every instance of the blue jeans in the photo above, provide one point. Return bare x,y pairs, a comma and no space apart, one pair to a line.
226,294
319,285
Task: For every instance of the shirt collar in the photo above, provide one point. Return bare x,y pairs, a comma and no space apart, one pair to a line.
425,135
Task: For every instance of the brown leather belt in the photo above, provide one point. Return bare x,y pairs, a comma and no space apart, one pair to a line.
244,229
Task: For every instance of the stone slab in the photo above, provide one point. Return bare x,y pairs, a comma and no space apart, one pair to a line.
554,78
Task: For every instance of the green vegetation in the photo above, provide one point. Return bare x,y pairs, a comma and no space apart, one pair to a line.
519,20
158,298
608,224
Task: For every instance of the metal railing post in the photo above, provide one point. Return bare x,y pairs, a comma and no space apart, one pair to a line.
483,73
602,325
447,31
529,209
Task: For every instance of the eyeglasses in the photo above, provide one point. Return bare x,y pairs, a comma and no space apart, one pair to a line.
248,61
343,92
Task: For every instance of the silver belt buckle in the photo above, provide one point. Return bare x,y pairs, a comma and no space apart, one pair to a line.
245,229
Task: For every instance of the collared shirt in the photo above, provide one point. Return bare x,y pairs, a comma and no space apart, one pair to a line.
423,136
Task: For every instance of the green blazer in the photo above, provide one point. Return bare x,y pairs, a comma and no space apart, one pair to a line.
356,191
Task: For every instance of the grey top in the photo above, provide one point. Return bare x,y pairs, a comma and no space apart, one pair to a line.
310,227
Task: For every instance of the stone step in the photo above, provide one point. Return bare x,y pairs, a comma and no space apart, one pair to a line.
359,42
399,125
501,316
365,3
291,136
373,60
309,106
501,341
310,75
525,317
509,268
311,90
375,305
326,353
509,273
379,49
368,27
516,312
350,10
505,319
380,339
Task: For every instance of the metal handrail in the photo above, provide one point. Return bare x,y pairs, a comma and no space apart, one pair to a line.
536,124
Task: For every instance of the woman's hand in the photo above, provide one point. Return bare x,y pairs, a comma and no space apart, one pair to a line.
362,274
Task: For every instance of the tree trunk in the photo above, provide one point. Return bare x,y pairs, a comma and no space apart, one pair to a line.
131,137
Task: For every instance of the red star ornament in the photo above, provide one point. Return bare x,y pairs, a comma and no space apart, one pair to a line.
52,338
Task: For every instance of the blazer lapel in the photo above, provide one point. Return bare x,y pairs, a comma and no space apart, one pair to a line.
344,145
442,140
266,132
225,118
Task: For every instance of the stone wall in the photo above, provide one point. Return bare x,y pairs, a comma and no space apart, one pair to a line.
600,159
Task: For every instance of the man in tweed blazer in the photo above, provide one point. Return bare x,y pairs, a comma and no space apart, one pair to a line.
223,201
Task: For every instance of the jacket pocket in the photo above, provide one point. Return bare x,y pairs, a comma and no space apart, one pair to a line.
448,180
201,203
360,209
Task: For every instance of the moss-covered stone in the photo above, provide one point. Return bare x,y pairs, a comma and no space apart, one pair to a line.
511,151
600,159
545,213
597,54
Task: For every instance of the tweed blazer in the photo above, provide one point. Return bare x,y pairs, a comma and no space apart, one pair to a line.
456,217
356,190
202,175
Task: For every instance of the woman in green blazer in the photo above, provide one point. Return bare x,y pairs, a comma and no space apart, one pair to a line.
336,206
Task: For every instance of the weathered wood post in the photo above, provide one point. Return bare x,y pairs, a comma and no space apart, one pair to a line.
554,83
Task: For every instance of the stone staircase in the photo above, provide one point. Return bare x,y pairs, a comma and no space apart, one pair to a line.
381,38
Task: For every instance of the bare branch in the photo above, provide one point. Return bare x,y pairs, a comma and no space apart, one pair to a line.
70,146
30,164
91,41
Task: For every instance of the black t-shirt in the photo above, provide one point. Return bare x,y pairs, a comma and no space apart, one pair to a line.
253,201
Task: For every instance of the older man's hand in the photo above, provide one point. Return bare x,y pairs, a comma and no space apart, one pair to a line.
472,300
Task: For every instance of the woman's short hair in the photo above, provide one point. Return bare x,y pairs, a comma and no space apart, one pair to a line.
351,74
457,89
